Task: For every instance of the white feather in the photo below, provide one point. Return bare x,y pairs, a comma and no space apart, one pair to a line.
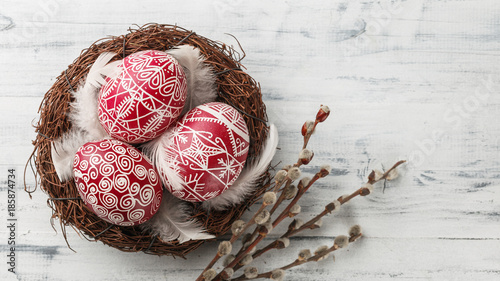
173,221
165,160
84,110
63,151
201,79
101,68
83,116
245,184
84,113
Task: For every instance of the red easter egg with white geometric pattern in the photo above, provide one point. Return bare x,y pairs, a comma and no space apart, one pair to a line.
208,148
117,182
144,99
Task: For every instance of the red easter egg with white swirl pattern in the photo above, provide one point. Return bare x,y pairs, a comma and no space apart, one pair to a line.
207,150
117,182
145,98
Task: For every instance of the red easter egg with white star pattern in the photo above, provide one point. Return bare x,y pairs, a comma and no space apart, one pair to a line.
144,99
117,182
208,149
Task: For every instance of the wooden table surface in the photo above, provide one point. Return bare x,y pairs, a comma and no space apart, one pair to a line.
414,80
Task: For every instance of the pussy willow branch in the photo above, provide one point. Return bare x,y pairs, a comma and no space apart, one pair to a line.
234,237
298,262
283,215
242,231
281,197
342,200
308,135
301,192
320,117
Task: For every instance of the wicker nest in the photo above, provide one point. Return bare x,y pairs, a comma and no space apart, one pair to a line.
235,87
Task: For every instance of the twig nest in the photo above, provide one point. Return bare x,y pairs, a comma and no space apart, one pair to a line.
233,86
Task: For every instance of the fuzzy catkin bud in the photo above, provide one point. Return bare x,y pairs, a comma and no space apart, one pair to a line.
305,181
229,259
209,274
355,230
237,227
318,223
287,167
227,273
262,217
304,254
265,228
251,272
290,192
277,275
225,247
393,174
295,209
368,187
298,223
295,224
269,198
341,241
246,238
246,260
325,170
333,206
322,251
323,113
378,175
294,173
307,128
282,243
280,176
305,156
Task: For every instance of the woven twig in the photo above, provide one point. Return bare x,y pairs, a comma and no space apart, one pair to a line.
234,86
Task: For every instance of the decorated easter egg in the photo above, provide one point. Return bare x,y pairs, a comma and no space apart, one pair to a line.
144,99
117,182
207,150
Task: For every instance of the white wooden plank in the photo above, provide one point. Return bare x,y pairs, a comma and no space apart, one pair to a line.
395,74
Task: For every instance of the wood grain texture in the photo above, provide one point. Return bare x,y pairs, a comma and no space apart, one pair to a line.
415,79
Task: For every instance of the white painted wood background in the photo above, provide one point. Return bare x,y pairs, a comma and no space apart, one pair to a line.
415,80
